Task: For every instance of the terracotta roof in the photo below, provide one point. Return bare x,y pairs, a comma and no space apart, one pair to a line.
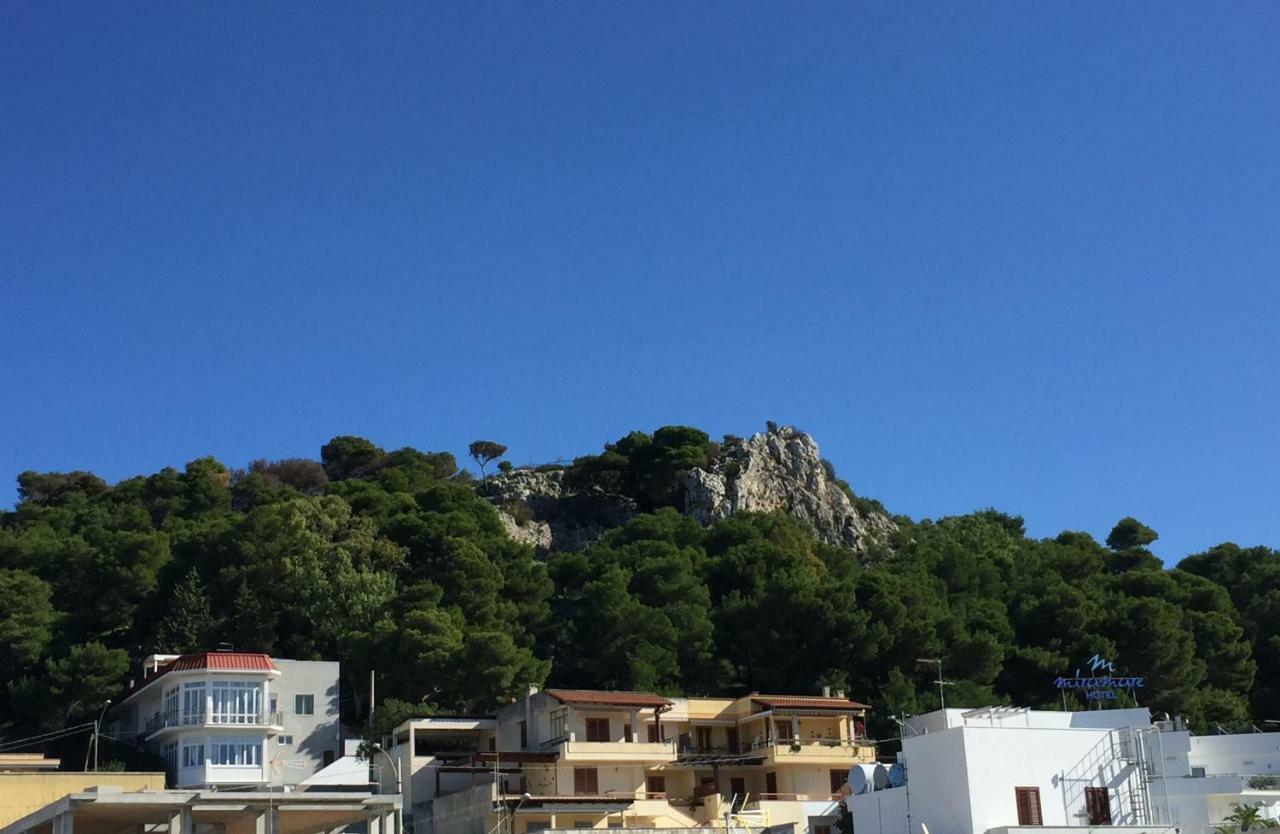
235,661
607,698
801,702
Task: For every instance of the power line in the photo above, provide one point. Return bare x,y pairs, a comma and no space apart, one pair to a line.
49,736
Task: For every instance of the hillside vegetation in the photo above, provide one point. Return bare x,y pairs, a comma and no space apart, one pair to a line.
393,561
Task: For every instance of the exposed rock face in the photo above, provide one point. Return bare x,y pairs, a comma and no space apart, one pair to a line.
782,470
777,470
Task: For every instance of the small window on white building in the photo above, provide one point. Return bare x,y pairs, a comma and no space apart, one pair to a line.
283,740
304,704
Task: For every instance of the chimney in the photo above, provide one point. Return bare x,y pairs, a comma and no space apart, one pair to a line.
533,689
826,692
839,693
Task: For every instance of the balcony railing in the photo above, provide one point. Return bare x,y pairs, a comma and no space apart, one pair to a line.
166,720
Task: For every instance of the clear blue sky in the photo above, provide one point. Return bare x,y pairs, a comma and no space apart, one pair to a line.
1012,254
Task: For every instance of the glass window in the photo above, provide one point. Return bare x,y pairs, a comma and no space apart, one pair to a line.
193,755
304,704
236,702
235,752
283,740
193,703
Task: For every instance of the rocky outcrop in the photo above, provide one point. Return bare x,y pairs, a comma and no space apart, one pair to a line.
782,470
779,470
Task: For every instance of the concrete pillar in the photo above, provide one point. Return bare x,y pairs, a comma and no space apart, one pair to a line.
795,729
180,821
260,823
375,825
390,822
64,823
635,727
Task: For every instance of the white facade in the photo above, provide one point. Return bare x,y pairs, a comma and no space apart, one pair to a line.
222,719
1207,777
967,769
966,772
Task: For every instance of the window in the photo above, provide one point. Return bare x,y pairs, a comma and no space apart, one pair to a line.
274,703
626,733
235,753
524,734
193,705
1028,801
784,730
171,707
284,740
652,734
731,736
838,778
1097,803
559,720
586,781
703,734
236,702
771,783
738,787
170,754
656,787
304,704
598,729
193,755
1197,772
821,829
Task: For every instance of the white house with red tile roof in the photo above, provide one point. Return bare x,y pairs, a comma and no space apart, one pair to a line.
232,718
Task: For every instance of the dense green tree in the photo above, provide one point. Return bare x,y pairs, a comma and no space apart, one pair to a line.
190,624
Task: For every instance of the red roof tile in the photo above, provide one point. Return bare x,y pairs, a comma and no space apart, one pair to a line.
612,699
234,661
802,702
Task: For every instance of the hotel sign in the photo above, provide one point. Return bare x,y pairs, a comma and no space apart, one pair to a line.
1102,683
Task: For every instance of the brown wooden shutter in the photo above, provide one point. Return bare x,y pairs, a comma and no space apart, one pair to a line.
1097,803
585,781
1028,800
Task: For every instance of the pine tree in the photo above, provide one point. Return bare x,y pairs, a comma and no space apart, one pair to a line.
190,625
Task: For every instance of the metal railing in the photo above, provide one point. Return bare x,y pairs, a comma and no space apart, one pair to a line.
164,720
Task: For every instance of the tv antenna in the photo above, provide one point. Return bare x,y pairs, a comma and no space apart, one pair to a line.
942,684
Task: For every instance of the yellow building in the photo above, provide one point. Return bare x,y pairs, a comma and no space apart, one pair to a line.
29,782
563,760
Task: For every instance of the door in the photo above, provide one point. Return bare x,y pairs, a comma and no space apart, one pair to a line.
731,735
1028,802
771,784
1097,802
738,787
703,735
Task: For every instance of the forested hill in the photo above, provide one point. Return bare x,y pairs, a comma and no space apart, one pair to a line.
401,563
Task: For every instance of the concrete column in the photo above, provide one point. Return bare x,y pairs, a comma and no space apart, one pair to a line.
795,729
375,825
260,823
64,823
180,821
635,727
390,822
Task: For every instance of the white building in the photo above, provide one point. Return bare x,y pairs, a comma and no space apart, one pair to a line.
1000,770
1207,777
232,718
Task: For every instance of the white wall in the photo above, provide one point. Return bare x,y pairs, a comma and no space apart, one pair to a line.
962,781
1248,753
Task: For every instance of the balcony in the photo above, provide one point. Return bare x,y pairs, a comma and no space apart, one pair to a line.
637,752
833,751
162,722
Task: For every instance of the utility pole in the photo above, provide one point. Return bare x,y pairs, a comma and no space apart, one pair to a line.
371,700
97,733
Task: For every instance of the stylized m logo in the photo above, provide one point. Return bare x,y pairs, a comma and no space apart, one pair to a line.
1099,662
